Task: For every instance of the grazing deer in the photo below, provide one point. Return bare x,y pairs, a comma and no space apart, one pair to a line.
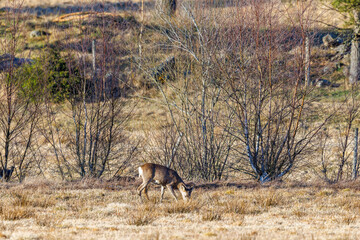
8,173
163,176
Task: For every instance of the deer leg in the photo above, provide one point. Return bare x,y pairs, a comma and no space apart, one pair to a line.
142,187
172,191
162,193
146,192
139,189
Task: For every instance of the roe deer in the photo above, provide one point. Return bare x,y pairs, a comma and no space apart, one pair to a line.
163,176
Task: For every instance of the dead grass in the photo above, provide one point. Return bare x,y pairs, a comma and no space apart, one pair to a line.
140,218
349,219
212,215
80,212
182,207
235,206
268,199
48,220
15,213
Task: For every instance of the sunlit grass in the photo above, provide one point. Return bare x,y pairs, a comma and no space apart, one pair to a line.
224,212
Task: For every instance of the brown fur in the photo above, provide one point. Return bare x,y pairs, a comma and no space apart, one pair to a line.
163,176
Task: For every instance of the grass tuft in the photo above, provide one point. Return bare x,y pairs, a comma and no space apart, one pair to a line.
20,199
236,206
211,215
299,213
140,218
268,199
349,219
143,215
16,213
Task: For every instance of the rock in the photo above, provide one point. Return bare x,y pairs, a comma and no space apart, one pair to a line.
6,59
322,83
342,49
295,51
328,70
38,33
346,59
329,41
336,57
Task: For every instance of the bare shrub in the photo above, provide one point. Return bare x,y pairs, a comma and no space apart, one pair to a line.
166,148
336,141
238,101
196,94
267,96
92,141
20,98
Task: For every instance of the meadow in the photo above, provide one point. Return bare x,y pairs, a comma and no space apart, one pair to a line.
217,92
245,210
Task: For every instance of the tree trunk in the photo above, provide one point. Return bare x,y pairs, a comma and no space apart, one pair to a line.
355,165
355,51
168,7
307,61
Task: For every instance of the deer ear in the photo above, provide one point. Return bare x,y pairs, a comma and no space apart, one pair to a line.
182,187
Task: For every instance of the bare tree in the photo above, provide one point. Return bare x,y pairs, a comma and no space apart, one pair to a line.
351,9
200,41
267,96
237,87
355,48
336,147
96,141
19,99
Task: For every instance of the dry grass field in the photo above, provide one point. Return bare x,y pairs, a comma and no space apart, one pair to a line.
111,210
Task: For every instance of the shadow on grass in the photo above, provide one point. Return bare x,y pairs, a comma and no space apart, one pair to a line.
65,9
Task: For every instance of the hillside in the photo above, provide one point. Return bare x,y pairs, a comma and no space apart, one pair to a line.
171,89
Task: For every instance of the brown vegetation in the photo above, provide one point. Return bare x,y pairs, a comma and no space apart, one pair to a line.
215,90
213,98
49,210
